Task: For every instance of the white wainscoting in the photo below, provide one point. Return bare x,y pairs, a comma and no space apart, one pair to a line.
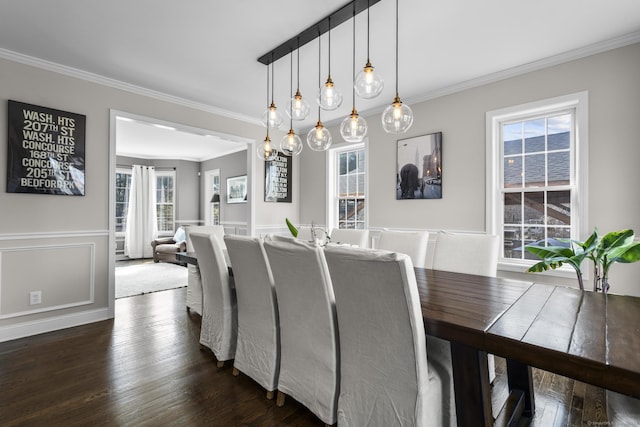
241,228
64,273
61,264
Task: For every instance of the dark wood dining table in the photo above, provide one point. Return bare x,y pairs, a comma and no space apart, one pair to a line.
590,337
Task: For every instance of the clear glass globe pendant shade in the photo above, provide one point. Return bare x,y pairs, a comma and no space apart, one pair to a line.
369,84
319,138
266,151
397,117
353,128
297,108
272,118
291,144
329,97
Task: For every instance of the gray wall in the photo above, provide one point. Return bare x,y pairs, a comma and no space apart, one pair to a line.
231,165
613,83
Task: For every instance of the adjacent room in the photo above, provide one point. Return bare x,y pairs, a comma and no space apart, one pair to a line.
352,213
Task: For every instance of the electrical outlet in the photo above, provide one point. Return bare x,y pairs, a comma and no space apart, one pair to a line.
35,297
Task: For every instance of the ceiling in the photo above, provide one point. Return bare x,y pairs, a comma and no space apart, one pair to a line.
204,53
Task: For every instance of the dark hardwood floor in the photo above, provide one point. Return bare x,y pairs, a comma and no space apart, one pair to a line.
146,368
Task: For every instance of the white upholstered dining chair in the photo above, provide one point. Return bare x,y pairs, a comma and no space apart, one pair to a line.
412,243
386,376
219,315
194,281
309,357
469,254
258,344
359,238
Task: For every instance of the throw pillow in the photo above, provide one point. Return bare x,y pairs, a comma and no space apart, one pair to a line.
180,235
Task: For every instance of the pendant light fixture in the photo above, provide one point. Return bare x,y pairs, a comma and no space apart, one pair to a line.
369,83
265,150
291,144
298,108
329,97
397,117
319,137
272,117
353,128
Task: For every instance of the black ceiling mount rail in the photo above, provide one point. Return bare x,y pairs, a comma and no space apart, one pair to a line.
313,32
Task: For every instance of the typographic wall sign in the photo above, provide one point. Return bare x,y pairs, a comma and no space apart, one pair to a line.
277,179
46,150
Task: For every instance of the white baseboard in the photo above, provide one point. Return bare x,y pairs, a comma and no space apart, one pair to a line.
35,327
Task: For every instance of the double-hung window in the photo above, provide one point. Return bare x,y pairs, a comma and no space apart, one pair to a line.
123,187
536,166
165,201
347,184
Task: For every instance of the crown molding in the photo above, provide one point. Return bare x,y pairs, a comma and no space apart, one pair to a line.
116,84
550,61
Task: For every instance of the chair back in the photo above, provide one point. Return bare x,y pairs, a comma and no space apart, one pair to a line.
412,243
258,346
308,334
216,230
466,253
194,280
384,371
219,318
304,233
353,237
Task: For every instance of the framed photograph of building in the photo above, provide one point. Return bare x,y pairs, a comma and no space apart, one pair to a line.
237,189
419,167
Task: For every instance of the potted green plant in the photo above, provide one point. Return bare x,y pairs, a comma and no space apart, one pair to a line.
616,246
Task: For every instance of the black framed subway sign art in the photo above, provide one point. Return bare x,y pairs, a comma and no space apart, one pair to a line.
277,179
46,150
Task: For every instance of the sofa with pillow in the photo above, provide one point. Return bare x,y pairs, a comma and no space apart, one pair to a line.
165,249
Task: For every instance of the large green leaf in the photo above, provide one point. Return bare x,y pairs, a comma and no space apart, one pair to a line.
545,265
590,244
631,254
616,239
550,251
292,228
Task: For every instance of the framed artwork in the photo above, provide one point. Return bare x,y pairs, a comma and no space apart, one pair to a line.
46,150
237,189
277,179
419,167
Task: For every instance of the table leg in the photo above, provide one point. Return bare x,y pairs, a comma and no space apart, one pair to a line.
521,378
471,386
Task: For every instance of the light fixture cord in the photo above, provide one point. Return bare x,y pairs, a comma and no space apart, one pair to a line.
353,62
368,6
319,69
329,53
397,49
268,96
272,86
291,93
298,58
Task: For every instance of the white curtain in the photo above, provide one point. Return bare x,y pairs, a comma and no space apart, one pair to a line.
142,224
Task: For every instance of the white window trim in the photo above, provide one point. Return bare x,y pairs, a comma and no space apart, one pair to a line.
332,211
128,172
494,164
208,193
172,173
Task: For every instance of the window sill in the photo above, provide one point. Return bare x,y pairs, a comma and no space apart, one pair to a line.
565,271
